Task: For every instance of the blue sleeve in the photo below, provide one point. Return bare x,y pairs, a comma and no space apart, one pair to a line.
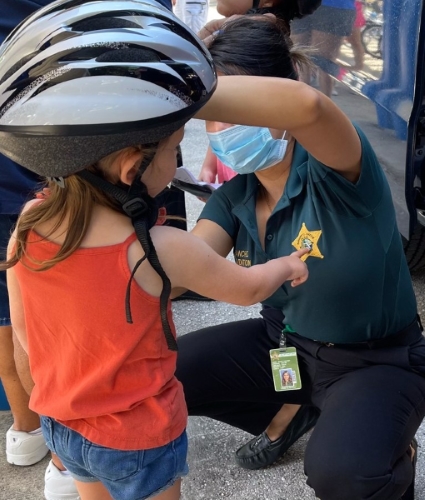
15,11
166,3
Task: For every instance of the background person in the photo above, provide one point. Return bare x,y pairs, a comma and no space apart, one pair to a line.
324,31
194,13
25,444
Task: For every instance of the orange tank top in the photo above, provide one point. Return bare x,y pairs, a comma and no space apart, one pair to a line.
111,381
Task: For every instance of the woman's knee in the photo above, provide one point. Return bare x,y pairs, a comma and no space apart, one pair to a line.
330,476
342,475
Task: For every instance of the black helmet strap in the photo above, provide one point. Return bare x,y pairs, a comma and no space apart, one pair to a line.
143,211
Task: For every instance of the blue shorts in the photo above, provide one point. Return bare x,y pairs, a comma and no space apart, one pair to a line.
127,475
7,223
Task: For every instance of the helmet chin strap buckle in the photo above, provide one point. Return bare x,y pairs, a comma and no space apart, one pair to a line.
58,180
135,207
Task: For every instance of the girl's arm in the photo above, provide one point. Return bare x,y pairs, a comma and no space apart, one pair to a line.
214,236
308,115
194,265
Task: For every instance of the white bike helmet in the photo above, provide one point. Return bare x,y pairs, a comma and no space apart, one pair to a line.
80,79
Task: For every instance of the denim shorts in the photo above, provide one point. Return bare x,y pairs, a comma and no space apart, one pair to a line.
127,475
7,223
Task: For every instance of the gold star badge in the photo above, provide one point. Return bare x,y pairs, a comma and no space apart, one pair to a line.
308,239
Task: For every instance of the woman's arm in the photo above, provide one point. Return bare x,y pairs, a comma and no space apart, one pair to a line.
308,115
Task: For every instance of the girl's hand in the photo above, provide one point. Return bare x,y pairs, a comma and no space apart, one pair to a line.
299,268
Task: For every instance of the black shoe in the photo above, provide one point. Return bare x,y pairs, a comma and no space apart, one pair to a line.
189,295
410,492
260,451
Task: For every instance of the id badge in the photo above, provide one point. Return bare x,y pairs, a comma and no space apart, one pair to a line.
285,369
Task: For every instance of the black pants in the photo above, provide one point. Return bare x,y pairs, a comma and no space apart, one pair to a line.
372,400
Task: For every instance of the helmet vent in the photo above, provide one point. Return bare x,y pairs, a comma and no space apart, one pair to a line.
103,23
129,56
16,67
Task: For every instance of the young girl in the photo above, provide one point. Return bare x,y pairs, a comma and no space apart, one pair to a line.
82,85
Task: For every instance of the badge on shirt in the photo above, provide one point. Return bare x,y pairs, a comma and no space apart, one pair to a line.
308,239
285,370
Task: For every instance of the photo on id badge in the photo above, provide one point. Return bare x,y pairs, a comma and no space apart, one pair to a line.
287,377
285,370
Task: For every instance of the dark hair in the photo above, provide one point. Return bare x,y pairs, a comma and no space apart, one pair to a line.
257,46
286,10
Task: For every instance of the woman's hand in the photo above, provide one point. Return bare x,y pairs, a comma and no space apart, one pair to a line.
210,28
208,31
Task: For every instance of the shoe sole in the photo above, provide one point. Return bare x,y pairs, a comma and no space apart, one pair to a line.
28,459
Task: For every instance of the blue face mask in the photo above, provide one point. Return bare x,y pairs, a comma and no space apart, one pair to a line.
247,149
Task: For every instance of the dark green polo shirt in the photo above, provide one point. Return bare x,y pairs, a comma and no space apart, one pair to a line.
359,286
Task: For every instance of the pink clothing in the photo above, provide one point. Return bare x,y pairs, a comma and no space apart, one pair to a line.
224,173
360,19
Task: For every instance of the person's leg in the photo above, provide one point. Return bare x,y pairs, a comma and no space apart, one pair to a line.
58,484
226,375
97,491
24,442
360,447
24,419
301,36
172,493
281,421
178,9
327,46
358,51
93,491
199,16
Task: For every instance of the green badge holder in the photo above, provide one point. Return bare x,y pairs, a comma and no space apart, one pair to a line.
284,363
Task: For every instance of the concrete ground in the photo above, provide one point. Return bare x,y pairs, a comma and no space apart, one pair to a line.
213,473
